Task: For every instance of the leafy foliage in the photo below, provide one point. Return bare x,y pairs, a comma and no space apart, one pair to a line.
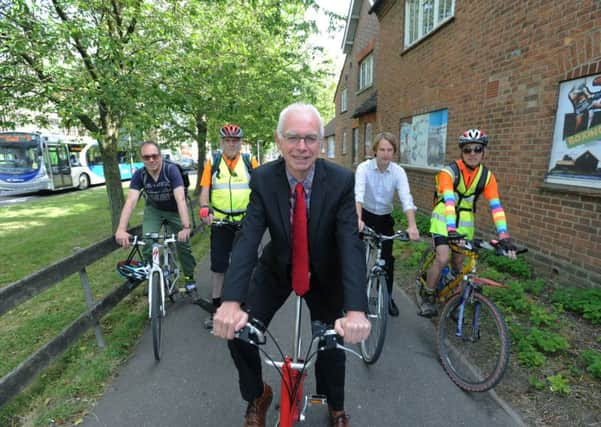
592,359
586,302
558,384
518,267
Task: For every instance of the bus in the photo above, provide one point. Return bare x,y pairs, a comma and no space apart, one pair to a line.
34,161
87,166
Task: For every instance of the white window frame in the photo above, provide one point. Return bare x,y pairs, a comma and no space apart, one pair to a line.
343,149
366,71
331,147
422,17
344,100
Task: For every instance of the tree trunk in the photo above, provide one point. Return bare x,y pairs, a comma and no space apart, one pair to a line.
201,138
114,187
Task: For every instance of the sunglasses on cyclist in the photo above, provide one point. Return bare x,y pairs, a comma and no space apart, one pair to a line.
477,150
150,157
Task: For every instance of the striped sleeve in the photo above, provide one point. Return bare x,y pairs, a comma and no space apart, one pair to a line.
445,187
491,192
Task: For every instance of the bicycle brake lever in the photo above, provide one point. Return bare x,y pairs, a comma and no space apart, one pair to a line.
350,350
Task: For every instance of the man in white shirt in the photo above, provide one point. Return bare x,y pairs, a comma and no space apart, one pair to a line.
376,181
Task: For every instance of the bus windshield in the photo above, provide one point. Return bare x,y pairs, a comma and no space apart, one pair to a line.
19,159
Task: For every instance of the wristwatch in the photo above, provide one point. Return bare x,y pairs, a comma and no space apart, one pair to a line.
186,226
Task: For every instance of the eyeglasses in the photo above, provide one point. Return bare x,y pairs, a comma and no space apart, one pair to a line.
296,139
148,157
477,150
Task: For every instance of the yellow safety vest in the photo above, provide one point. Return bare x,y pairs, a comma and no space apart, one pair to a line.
464,205
230,191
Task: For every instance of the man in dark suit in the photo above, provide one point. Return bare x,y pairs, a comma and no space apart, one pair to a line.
337,268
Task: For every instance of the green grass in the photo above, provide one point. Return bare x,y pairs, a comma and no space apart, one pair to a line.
33,235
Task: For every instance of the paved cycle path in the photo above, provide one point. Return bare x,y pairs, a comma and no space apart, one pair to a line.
195,383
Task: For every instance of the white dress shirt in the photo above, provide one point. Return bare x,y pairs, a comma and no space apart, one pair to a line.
375,189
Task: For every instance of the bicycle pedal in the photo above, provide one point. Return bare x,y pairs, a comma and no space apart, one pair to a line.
317,399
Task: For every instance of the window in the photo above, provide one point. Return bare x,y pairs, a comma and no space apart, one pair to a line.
322,146
343,142
331,147
366,72
424,16
343,100
368,140
355,144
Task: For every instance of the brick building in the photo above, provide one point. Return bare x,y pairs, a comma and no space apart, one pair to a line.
528,73
356,92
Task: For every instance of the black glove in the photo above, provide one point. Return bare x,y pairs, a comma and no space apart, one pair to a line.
507,244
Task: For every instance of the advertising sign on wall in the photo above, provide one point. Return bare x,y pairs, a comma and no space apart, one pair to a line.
577,135
423,139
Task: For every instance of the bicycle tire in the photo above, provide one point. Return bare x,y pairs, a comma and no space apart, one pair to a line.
479,362
377,313
425,262
156,316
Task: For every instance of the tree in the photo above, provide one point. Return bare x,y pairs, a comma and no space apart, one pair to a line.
175,69
88,61
242,64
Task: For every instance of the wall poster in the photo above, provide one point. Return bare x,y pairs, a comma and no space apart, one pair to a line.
577,135
423,139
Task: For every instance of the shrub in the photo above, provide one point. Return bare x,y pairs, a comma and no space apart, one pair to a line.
586,302
547,341
592,359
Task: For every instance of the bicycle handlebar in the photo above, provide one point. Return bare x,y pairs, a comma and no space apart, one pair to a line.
326,337
139,241
222,222
491,245
401,235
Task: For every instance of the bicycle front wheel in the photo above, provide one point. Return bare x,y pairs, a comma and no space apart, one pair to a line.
156,315
475,352
377,313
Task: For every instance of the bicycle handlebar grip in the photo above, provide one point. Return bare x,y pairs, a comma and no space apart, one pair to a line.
252,333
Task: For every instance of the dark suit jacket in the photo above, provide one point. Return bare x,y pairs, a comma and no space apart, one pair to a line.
337,262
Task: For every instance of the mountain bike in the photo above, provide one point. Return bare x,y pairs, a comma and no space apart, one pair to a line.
377,292
163,275
473,339
293,369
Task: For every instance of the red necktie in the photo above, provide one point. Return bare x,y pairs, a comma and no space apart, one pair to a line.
300,244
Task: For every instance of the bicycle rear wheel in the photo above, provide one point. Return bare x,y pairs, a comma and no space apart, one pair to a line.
377,313
476,360
156,315
420,278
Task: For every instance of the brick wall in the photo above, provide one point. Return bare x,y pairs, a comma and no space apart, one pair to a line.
497,66
365,41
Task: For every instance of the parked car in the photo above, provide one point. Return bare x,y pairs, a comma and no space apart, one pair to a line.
187,163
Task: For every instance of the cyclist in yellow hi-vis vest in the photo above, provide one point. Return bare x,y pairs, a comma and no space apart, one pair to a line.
458,186
224,195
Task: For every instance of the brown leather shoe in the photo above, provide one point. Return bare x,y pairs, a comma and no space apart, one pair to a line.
257,409
339,419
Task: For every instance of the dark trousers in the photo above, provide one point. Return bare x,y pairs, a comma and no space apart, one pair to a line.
265,297
383,224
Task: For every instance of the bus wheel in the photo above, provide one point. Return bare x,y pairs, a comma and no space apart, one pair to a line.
84,181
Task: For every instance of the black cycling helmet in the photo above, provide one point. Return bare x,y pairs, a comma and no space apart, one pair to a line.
473,136
132,269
